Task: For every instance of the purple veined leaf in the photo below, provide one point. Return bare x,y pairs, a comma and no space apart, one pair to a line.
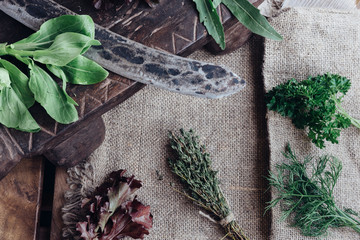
87,230
114,212
140,214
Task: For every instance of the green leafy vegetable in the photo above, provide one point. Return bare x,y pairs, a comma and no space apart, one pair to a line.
243,10
4,79
50,29
19,83
11,107
58,44
251,18
314,103
211,20
51,96
65,48
308,198
81,71
193,166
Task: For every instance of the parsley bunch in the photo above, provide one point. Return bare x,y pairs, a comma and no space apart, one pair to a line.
307,196
314,103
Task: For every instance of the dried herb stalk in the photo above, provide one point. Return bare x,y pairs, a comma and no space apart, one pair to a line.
193,165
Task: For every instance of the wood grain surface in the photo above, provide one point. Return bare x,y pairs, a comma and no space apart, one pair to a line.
172,26
20,200
60,188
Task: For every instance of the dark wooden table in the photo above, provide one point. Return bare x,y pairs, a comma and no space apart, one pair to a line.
33,191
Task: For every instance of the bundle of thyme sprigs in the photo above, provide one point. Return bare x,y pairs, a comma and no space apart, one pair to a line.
308,198
193,165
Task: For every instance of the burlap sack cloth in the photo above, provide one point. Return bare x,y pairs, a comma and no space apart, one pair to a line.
232,128
316,42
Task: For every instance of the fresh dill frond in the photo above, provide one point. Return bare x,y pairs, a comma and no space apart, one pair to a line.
307,194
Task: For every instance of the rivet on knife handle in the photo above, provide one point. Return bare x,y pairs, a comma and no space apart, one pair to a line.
134,60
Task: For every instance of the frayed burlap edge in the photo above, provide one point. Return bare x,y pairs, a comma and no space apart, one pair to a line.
272,8
81,185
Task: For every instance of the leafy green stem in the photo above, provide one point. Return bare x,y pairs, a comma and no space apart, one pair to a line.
3,49
354,121
21,53
353,223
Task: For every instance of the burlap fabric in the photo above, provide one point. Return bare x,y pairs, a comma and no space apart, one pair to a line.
316,42
234,130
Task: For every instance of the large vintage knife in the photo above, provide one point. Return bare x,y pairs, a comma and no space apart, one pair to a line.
134,60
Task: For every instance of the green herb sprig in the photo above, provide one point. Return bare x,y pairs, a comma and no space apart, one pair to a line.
308,198
58,45
193,165
243,10
314,103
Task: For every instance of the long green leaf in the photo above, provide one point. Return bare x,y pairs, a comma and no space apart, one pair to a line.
211,20
81,71
251,18
51,96
19,82
4,79
13,112
43,38
3,49
65,48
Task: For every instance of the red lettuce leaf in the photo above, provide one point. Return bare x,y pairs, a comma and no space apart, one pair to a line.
113,212
87,230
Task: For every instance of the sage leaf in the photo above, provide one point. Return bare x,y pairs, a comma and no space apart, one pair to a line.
81,71
48,93
211,20
13,112
216,3
4,79
42,39
68,98
19,82
65,48
251,18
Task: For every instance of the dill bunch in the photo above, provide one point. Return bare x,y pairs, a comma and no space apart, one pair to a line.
308,198
193,165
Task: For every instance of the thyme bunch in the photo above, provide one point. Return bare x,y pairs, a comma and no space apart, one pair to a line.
193,165
308,198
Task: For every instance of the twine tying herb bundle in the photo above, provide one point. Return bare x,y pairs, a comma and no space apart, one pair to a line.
193,165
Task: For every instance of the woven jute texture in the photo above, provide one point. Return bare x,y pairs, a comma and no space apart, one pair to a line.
316,42
232,128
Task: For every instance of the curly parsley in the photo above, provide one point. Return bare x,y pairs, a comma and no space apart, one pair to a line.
315,104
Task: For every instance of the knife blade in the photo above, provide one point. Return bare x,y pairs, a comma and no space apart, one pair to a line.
133,60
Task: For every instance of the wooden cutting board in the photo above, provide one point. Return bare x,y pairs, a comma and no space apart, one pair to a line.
172,26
